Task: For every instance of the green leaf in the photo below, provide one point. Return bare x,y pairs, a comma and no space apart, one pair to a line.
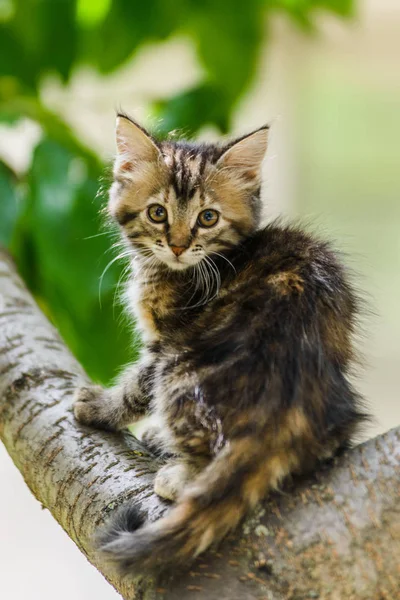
128,24
228,36
189,110
92,12
69,254
302,11
16,64
40,36
9,204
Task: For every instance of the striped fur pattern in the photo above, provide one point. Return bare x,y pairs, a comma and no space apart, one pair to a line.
247,343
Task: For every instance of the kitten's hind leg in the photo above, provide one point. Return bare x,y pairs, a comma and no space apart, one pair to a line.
172,478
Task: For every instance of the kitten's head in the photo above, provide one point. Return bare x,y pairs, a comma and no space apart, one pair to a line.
179,201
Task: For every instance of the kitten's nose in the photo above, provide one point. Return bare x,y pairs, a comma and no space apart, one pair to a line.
177,250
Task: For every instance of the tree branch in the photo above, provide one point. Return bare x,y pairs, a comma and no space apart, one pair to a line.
333,536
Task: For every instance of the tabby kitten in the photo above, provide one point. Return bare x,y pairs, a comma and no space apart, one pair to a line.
247,341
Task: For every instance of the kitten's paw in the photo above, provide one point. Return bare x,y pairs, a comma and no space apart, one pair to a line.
152,439
90,405
170,480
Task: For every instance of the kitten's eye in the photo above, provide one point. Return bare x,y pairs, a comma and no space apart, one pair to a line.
157,213
208,218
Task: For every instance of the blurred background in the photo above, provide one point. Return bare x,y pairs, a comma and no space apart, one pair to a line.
325,73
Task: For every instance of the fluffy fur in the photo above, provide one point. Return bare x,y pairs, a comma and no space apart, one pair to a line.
247,342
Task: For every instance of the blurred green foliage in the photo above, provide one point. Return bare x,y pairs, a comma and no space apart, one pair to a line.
49,215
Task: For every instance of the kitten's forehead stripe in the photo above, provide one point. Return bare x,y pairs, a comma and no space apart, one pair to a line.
187,164
184,179
173,168
202,165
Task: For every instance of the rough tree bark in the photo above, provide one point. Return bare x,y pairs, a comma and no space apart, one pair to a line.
333,536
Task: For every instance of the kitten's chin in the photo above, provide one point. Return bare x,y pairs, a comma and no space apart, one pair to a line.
176,265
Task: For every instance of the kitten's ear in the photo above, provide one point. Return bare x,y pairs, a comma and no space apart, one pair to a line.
134,145
246,153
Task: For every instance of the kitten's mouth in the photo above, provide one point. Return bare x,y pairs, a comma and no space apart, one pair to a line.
176,264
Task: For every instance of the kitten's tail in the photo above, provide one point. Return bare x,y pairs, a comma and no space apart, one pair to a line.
209,508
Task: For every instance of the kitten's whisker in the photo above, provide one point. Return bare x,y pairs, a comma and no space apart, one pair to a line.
129,267
120,256
224,257
149,260
198,270
197,281
214,270
90,237
138,269
124,272
207,280
116,245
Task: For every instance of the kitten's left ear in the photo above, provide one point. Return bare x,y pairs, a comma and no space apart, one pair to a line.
246,153
134,145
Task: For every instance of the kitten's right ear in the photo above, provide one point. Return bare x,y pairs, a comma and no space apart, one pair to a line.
246,153
134,145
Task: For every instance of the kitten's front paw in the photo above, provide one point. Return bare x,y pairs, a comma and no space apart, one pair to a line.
90,406
152,439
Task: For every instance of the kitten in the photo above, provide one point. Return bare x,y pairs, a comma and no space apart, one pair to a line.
247,342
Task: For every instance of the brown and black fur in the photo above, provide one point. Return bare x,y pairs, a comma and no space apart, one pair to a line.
247,374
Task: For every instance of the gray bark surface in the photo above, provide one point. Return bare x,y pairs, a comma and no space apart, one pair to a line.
334,535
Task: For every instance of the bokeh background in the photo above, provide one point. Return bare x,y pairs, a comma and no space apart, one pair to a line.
325,73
